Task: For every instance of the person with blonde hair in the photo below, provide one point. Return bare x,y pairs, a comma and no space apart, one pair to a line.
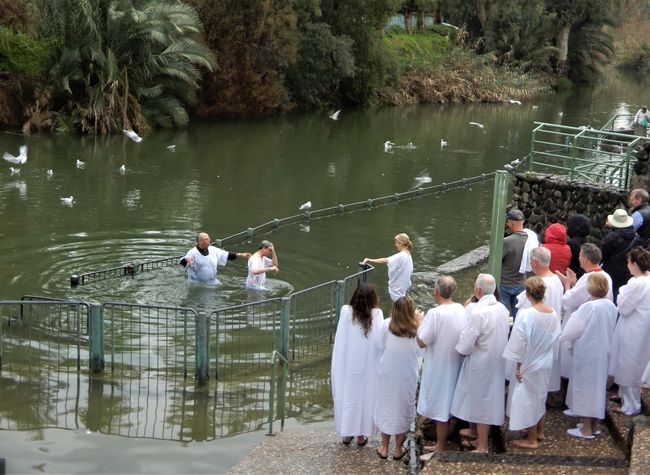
400,267
532,346
398,376
589,334
355,366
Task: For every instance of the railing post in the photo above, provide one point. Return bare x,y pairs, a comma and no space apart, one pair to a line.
284,337
96,337
340,300
498,221
202,349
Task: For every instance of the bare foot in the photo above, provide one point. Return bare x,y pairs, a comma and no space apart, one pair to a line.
468,433
524,444
427,457
477,451
399,455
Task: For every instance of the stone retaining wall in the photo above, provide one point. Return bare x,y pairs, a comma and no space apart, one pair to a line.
548,199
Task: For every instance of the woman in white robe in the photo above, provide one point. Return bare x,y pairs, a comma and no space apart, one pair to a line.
355,366
400,267
589,334
630,349
532,346
398,376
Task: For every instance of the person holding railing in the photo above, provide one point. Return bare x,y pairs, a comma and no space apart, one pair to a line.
203,260
260,263
400,267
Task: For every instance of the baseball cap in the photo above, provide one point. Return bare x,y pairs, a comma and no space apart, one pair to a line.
515,215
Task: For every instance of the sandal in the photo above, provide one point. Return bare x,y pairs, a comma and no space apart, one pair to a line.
400,457
379,454
362,440
468,444
346,440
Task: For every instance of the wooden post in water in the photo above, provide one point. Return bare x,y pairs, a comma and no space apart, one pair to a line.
96,336
499,200
202,349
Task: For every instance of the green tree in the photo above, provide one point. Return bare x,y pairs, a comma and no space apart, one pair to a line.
120,64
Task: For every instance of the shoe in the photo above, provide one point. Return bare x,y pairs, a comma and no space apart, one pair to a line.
570,413
580,425
383,457
346,440
619,410
362,440
576,432
401,456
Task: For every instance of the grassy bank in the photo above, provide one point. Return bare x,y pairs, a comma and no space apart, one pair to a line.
429,68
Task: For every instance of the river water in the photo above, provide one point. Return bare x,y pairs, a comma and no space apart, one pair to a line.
223,177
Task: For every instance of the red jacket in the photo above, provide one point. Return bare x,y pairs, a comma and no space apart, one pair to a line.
555,241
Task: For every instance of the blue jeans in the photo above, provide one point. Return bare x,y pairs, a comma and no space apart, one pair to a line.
508,296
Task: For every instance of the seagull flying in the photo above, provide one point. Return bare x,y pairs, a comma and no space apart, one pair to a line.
388,146
422,179
335,116
67,200
123,169
171,147
443,143
20,159
477,124
132,135
514,101
305,206
80,164
14,171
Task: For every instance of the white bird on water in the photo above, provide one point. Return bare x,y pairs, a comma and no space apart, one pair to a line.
535,107
123,169
50,172
80,164
335,116
514,101
67,200
443,143
14,171
388,146
171,148
132,135
477,124
305,206
20,159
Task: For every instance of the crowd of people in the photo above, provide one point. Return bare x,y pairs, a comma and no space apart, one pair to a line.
580,314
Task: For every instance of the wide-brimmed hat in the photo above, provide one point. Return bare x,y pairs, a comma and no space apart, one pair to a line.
620,219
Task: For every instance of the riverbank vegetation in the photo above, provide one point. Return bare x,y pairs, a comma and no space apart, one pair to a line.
98,66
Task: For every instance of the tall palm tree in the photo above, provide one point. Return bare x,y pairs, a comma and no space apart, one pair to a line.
122,63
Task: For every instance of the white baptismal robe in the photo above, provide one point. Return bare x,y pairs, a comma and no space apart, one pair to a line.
440,330
479,392
589,334
571,301
552,298
398,378
631,348
355,374
533,343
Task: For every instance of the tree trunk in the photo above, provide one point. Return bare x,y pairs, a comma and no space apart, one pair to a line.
437,13
420,22
481,13
407,21
562,43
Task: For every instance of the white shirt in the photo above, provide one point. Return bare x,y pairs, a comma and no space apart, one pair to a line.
255,262
203,269
400,268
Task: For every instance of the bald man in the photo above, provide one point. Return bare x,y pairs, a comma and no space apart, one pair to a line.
202,261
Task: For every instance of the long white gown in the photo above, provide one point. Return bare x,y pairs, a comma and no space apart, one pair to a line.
631,348
571,301
533,343
398,376
400,268
589,335
440,330
552,298
355,374
480,389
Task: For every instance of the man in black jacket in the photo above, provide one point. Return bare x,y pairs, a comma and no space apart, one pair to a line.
639,201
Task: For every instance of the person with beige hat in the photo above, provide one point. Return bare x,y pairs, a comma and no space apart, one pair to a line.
615,246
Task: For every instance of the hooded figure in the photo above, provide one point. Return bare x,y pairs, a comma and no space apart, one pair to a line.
578,228
555,241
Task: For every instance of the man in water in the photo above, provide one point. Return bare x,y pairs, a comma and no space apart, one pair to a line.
203,260
260,263
641,121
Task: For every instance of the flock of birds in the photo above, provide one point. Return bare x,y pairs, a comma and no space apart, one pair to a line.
21,159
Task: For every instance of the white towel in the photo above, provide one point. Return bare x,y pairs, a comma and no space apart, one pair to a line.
531,243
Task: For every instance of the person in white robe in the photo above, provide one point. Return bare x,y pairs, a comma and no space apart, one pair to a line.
630,350
575,294
355,366
203,260
260,263
532,346
398,376
589,334
540,260
479,394
439,334
400,267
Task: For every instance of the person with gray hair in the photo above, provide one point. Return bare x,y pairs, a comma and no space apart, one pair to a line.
540,260
260,263
640,212
439,334
576,293
479,395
